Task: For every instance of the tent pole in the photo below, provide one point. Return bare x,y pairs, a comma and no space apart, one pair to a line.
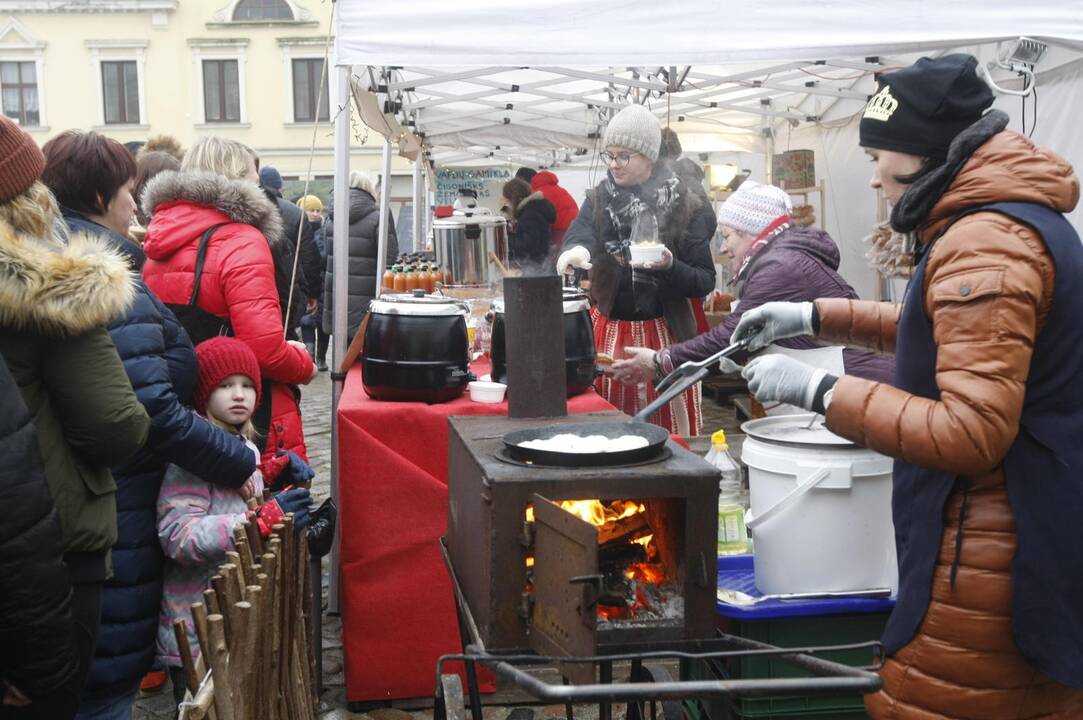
418,245
768,144
339,272
385,205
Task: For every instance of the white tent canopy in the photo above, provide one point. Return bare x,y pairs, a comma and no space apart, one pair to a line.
603,33
536,83
529,82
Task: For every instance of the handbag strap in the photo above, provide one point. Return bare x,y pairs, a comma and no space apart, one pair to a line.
201,257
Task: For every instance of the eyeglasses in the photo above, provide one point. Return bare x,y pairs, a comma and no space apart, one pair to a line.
619,160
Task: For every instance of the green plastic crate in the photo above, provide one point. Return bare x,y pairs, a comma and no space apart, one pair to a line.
794,632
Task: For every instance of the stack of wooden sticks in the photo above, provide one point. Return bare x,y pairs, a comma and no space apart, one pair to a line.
253,628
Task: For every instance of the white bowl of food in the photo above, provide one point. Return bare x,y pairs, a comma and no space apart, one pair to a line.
483,391
646,252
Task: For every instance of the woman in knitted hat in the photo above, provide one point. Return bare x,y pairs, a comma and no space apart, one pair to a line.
986,413
215,201
57,296
649,305
772,260
196,513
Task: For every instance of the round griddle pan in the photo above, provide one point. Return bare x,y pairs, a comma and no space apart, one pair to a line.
656,437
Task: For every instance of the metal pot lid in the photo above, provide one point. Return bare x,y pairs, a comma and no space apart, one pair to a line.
572,305
794,430
418,304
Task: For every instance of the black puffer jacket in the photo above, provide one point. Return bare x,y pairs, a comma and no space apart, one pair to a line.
282,252
37,653
161,365
364,237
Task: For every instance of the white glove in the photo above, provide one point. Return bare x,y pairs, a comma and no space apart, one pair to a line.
780,378
576,257
637,367
773,321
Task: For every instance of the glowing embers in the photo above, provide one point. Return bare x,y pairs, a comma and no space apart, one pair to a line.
637,586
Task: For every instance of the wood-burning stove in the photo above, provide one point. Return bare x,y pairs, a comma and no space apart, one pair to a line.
536,576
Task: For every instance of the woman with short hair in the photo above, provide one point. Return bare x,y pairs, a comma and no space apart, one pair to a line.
92,176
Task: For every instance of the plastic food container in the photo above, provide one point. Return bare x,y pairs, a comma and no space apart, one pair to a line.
821,509
642,253
487,392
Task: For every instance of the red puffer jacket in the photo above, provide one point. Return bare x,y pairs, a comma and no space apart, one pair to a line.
238,278
547,184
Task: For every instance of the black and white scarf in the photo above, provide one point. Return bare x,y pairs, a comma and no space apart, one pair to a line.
658,195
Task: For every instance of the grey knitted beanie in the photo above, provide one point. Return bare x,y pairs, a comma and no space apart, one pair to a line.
635,128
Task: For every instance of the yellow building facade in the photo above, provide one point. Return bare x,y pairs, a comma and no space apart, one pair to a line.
131,69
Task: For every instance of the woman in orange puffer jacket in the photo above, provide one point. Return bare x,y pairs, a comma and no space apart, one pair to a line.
218,186
986,414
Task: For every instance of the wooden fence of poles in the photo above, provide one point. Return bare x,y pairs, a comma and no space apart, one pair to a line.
253,629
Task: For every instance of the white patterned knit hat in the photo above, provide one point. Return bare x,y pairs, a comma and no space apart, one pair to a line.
753,207
635,128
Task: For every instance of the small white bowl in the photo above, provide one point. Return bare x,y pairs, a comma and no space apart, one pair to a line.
646,253
487,392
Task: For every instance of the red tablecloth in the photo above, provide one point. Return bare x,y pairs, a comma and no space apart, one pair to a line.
398,613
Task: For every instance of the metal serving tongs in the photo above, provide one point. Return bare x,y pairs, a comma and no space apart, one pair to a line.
684,377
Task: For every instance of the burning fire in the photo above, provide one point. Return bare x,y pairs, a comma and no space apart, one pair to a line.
638,578
594,512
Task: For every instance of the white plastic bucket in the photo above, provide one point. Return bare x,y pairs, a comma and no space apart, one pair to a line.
820,510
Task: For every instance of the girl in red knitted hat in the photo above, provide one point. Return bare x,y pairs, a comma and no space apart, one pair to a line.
196,518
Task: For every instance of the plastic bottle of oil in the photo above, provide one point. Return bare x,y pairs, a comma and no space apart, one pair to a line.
732,536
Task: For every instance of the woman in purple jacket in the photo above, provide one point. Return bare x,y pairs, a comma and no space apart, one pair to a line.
773,260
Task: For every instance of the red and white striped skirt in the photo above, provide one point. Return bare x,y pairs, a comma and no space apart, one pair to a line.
683,415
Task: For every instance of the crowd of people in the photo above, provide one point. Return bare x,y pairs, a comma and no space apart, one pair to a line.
150,389
159,312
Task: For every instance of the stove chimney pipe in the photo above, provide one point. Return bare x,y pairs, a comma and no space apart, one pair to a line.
534,331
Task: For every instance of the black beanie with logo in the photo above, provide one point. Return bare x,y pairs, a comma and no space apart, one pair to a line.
920,109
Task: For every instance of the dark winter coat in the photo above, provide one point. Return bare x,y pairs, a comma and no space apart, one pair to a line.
533,218
363,273
161,364
238,277
687,234
801,264
309,266
55,303
37,652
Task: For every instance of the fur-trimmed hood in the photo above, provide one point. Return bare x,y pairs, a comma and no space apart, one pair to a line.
239,200
57,289
536,195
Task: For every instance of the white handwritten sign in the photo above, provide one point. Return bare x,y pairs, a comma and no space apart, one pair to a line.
486,182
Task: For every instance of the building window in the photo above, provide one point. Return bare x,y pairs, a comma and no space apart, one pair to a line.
120,92
307,79
262,10
19,82
221,91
